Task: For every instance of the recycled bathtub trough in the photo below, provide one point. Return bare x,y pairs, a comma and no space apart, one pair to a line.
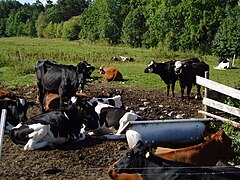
166,133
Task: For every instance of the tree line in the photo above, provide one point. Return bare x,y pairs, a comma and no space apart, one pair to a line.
203,26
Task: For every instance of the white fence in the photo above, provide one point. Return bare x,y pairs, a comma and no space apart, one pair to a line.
207,102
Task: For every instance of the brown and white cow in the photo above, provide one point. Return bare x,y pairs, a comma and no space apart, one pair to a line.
110,73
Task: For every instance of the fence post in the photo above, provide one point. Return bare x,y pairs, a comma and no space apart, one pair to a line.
2,127
206,93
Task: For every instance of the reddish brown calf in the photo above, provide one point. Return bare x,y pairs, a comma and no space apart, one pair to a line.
204,154
110,74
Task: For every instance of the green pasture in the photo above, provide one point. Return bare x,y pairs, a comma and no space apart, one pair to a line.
18,56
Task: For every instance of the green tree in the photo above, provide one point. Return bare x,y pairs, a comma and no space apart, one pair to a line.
226,42
40,24
71,28
134,28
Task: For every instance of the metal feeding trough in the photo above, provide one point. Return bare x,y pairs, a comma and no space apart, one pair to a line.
166,133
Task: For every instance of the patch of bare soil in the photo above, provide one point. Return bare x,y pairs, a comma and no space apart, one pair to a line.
90,158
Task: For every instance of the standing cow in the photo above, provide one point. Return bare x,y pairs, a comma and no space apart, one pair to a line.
166,71
187,71
64,80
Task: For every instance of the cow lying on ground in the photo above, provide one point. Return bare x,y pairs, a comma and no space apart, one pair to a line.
110,74
55,127
187,71
141,161
64,80
16,111
224,64
112,120
166,71
208,153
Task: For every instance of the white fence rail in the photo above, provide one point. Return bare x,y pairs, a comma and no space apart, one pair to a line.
207,102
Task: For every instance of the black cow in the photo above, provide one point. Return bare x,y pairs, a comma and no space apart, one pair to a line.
187,71
140,159
55,127
64,80
166,71
16,111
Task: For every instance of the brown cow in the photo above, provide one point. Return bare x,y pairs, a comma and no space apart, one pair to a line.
216,147
52,101
110,74
204,154
7,94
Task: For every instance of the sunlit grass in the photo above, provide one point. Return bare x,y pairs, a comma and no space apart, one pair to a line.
19,55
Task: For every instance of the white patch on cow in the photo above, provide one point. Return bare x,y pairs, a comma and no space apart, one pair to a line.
22,101
178,67
73,99
66,115
100,106
42,136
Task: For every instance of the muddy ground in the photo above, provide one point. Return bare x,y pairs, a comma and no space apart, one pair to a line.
90,158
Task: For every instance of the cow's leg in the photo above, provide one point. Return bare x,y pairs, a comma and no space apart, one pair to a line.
168,87
182,92
40,131
41,94
198,96
189,88
173,87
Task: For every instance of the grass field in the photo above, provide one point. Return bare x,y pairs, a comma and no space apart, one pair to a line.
19,55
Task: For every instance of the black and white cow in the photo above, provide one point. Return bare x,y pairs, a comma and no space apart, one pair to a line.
187,71
64,80
55,127
140,159
224,64
16,111
166,71
112,120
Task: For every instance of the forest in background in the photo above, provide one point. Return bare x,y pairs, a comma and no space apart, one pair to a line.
203,26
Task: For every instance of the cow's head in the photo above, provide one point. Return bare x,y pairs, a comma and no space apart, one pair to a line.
151,67
178,66
16,111
90,69
82,72
101,70
133,161
87,112
226,150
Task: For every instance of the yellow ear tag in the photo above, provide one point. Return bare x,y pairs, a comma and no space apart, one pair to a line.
153,150
147,154
78,107
65,103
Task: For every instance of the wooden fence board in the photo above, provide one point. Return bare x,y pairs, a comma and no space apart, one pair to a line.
218,87
221,106
233,123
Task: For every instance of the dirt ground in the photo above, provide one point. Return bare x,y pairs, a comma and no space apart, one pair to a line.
90,158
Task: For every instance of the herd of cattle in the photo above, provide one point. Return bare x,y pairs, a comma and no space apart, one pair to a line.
68,114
